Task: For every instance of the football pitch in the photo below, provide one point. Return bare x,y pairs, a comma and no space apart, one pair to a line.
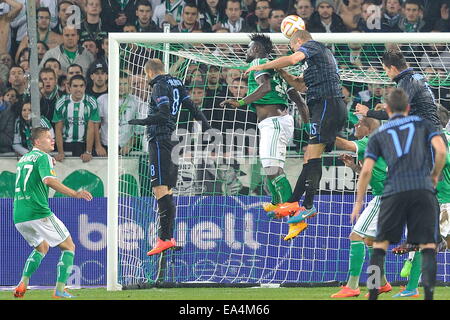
441,293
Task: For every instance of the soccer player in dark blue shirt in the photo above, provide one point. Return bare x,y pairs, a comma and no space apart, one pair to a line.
404,142
328,114
168,97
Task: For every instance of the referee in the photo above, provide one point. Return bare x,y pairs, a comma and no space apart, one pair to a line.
409,194
168,97
327,109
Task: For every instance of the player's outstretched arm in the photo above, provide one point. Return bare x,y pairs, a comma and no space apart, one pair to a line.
279,63
344,144
363,182
264,88
300,103
59,187
440,156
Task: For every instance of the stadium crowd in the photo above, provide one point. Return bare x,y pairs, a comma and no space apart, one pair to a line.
73,61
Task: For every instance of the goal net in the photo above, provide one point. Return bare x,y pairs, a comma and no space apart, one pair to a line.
223,235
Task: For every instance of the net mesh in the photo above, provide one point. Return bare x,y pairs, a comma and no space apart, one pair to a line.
222,233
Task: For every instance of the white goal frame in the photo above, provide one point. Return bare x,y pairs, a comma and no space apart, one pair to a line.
115,39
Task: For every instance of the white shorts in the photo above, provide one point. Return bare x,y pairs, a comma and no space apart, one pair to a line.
444,226
50,229
366,226
275,133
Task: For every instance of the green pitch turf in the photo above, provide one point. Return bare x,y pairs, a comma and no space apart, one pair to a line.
442,293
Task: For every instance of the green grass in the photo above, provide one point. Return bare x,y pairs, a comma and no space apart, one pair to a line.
441,293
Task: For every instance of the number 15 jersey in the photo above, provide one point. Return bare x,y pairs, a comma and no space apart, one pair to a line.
31,193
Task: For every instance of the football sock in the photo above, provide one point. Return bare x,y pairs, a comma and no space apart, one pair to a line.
273,192
282,187
429,269
416,270
357,255
166,210
64,269
299,189
31,265
312,181
376,260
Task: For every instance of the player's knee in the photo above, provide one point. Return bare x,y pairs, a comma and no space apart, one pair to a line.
273,172
43,248
368,242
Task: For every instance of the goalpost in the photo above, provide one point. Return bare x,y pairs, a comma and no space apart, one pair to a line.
222,233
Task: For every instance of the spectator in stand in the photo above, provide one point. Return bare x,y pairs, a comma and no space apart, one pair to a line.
65,9
42,48
10,9
99,77
74,70
325,19
304,9
62,84
69,52
190,20
91,46
370,18
213,12
6,59
93,27
22,130
53,64
23,55
50,38
50,92
215,90
437,56
392,12
411,20
238,88
433,12
104,46
11,96
117,13
234,21
259,20
17,80
276,16
144,13
7,117
350,13
129,28
442,20
75,117
169,11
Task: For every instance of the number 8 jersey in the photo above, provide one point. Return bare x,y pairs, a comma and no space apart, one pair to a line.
31,193
168,94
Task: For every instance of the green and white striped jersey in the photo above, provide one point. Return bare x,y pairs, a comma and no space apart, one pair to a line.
76,116
31,193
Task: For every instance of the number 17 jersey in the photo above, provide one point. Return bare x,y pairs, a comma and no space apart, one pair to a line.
31,193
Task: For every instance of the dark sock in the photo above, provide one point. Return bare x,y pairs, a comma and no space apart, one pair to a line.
312,181
376,260
299,186
429,269
166,210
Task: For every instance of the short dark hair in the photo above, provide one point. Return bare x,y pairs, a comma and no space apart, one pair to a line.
145,3
234,1
47,70
394,58
263,40
416,2
37,132
43,9
397,100
52,60
191,4
275,9
444,115
77,77
75,65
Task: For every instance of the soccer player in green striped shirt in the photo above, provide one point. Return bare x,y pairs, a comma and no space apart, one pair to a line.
33,217
268,97
364,231
75,117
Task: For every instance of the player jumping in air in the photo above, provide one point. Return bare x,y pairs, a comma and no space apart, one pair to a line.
168,97
365,228
268,99
33,218
327,109
404,142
